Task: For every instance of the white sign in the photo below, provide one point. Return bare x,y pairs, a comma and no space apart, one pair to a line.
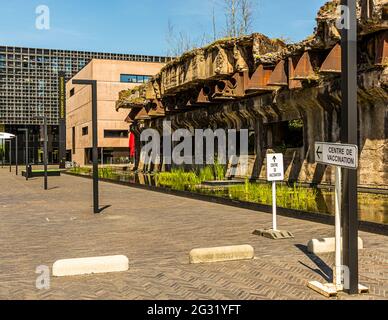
336,154
275,167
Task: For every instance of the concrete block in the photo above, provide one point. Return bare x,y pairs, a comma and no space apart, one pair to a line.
273,234
326,245
218,254
82,266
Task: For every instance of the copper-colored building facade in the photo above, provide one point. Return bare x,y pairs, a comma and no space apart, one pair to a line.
112,77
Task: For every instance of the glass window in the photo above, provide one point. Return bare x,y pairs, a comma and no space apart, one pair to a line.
115,134
131,78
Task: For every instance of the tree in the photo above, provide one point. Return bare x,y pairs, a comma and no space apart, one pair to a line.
177,43
181,42
239,17
246,9
231,11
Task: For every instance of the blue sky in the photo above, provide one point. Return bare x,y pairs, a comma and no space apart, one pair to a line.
141,26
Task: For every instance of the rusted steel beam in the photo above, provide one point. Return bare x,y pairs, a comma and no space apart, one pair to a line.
142,115
259,81
382,49
293,84
132,114
279,75
155,109
204,96
304,70
231,88
332,63
150,91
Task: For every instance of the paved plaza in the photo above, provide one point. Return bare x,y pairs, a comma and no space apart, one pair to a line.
156,232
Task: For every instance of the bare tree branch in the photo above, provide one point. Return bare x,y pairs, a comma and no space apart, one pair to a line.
246,12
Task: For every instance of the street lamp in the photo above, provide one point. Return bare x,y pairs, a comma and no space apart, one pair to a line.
45,157
93,84
26,156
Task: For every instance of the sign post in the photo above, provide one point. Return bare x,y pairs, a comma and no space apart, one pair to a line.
342,156
338,235
275,172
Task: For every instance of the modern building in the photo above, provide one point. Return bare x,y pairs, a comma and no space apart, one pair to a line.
112,77
29,88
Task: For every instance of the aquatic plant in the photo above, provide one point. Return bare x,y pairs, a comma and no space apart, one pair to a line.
219,171
81,170
206,174
106,173
177,179
294,197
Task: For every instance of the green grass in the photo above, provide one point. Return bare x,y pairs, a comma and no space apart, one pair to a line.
81,170
294,197
103,173
180,180
219,171
206,174
177,179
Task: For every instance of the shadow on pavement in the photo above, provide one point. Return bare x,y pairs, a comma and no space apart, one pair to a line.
323,269
104,208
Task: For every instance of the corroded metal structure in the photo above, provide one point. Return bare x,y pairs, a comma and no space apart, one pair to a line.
260,84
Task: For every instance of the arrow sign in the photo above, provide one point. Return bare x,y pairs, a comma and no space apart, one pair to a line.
336,154
275,167
319,152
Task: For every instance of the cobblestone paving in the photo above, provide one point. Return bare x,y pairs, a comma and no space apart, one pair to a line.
157,231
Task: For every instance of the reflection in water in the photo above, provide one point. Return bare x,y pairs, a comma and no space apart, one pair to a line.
372,207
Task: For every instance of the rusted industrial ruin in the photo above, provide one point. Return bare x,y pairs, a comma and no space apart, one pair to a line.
288,96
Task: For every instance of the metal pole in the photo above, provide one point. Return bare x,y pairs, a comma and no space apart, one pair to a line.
45,151
93,83
16,155
274,219
338,236
349,135
62,118
95,147
10,155
2,153
27,154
